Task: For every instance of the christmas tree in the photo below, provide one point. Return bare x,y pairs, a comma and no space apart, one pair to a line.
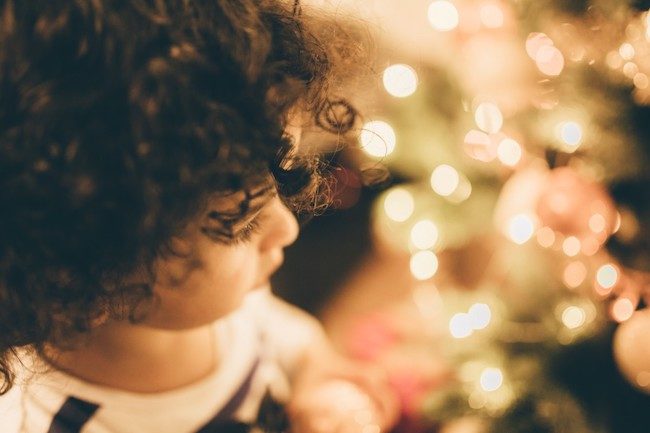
516,135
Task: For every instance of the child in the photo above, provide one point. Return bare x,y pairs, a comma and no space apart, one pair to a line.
148,159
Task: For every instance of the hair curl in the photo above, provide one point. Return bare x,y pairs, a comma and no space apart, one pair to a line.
117,119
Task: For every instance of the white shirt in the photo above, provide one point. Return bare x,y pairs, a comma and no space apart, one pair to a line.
260,344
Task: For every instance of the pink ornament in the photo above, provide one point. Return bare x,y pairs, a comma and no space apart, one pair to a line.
577,207
632,349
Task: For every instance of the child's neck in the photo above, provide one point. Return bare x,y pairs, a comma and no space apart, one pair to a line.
139,358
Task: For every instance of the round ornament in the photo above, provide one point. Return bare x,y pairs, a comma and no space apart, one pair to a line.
632,349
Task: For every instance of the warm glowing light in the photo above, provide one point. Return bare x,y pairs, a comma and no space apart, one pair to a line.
491,16
488,117
549,61
521,228
574,274
630,69
509,152
424,234
479,146
546,237
400,80
571,246
460,325
378,139
491,379
535,41
480,316
622,309
571,134
424,265
641,81
399,205
574,317
607,276
445,180
443,15
626,51
614,60
597,223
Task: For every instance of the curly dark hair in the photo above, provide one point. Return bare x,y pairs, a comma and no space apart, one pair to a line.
117,119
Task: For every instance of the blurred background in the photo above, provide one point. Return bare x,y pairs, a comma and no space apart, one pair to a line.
493,250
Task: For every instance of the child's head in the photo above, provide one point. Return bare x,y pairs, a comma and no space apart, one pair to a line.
145,161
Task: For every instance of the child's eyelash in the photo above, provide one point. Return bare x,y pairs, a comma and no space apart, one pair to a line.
227,237
245,234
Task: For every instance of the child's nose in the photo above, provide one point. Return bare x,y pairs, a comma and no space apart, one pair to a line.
282,226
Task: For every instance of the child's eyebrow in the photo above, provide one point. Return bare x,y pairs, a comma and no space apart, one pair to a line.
253,202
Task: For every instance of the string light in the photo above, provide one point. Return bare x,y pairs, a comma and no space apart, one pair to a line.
443,15
626,51
399,205
491,16
445,180
424,265
424,234
546,237
573,317
480,316
479,146
378,139
597,223
509,152
460,325
491,379
521,228
571,246
641,81
622,309
400,80
535,41
607,276
571,135
488,117
575,273
549,61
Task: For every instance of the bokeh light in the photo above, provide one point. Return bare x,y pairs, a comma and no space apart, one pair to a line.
460,325
622,309
424,265
491,379
575,273
480,315
445,180
399,204
549,61
378,139
607,276
509,152
571,134
571,246
491,16
424,234
546,237
626,50
400,80
597,223
535,41
443,15
488,117
521,228
573,317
